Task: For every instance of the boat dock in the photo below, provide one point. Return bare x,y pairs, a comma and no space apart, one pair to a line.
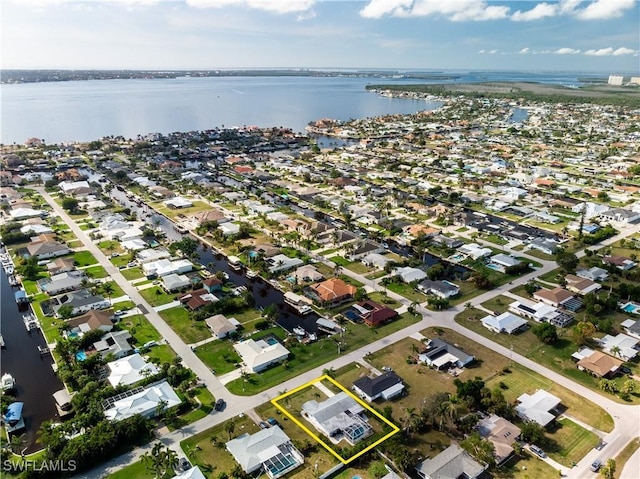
30,322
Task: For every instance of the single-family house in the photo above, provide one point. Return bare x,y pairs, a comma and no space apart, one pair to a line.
281,262
505,323
62,282
328,326
212,284
175,282
541,312
135,244
440,354
619,262
596,362
81,301
36,229
338,417
545,245
594,274
632,327
474,251
364,248
558,297
19,214
620,216
178,202
372,313
307,273
193,473
147,402
501,433
621,346
229,229
268,450
386,386
221,326
47,249
90,321
259,355
408,274
75,188
581,286
375,260
441,288
452,463
130,370
331,291
539,407
502,262
163,267
115,343
152,254
197,298
61,265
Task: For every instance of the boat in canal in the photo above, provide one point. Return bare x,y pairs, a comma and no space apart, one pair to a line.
7,382
235,263
21,297
30,322
298,331
2,344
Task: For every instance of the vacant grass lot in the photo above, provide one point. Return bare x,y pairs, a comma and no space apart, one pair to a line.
110,246
132,273
84,258
140,328
162,353
556,357
305,357
174,213
219,356
137,470
156,296
499,304
407,291
573,441
95,272
190,331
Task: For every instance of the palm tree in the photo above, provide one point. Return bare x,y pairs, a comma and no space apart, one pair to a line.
615,350
230,427
108,289
161,459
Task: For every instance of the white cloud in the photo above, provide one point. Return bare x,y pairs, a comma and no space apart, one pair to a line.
610,51
600,53
455,10
524,51
623,51
566,51
541,10
380,8
602,9
306,15
273,6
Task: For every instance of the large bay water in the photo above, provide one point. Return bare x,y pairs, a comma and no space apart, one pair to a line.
88,110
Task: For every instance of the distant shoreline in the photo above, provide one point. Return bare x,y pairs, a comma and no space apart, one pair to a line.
592,93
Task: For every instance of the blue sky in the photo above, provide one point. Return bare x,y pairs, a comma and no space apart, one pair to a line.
599,35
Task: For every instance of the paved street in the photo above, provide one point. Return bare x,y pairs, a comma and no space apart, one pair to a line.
626,418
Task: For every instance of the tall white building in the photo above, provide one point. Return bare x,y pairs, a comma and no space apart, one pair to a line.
634,81
615,80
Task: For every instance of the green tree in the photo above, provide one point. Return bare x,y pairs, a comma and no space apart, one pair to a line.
377,470
29,269
567,261
609,469
532,432
270,312
583,331
70,204
480,449
161,460
65,311
230,426
546,332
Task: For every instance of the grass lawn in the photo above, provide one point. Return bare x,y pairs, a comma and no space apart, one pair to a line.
407,291
96,272
495,239
30,287
156,296
132,273
246,315
349,280
552,276
163,353
526,467
110,246
384,299
206,400
121,260
173,213
140,328
540,255
305,357
137,470
218,355
124,305
74,244
623,457
207,448
190,331
340,261
556,357
573,441
500,304
84,258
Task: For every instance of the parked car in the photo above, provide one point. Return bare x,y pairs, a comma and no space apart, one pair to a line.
184,464
219,405
263,425
596,465
537,451
272,421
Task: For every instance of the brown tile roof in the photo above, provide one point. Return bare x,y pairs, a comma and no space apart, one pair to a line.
600,364
333,289
556,295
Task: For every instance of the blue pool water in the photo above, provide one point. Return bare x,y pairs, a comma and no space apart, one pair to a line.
291,279
630,308
494,267
73,334
352,315
271,341
81,356
253,254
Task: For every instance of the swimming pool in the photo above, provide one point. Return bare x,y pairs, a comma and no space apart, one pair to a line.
352,315
631,308
81,356
494,267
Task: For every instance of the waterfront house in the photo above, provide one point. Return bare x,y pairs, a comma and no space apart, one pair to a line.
331,291
375,260
338,417
540,407
221,326
197,298
152,254
81,302
62,282
281,262
501,433
178,202
440,288
440,355
148,402
596,362
503,262
452,463
474,251
307,273
504,323
269,450
61,265
212,284
46,248
386,386
175,282
259,355
163,267
90,321
114,343
408,274
364,248
130,370
372,313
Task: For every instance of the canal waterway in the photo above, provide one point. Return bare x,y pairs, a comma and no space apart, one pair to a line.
35,380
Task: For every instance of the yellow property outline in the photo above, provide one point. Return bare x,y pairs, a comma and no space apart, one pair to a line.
320,441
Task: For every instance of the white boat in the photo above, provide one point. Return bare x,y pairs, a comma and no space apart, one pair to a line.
7,382
251,274
299,331
235,263
2,341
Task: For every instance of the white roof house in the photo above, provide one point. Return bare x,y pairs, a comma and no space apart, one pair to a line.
178,202
151,254
503,261
281,262
135,244
409,274
144,402
536,407
268,449
36,229
130,370
22,213
505,323
474,251
163,267
193,473
621,346
68,187
174,282
259,355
